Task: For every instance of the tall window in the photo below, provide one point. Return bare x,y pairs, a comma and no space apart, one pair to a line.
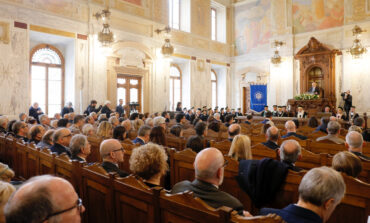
214,88
179,14
175,86
129,90
47,78
214,23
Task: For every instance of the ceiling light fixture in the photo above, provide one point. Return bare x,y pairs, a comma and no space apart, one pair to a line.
357,50
105,36
167,49
276,58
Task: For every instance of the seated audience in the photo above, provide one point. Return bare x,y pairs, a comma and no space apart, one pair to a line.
45,121
320,191
22,117
159,121
31,120
41,199
249,119
127,125
119,133
301,113
166,115
90,120
54,124
106,109
57,116
3,124
333,133
149,122
138,123
354,143
104,130
88,130
355,128
180,119
61,139
352,115
209,172
176,130
112,153
6,190
272,137
323,125
150,163
143,135
6,174
80,147
113,120
78,122
229,119
214,126
195,143
217,117
268,119
92,108
264,128
312,122
158,136
360,122
20,130
67,109
240,148
347,163
291,131
63,123
35,111
102,118
46,140
265,110
340,114
290,152
233,131
36,133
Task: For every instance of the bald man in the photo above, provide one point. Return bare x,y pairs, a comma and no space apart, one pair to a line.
291,131
44,198
233,130
354,143
290,152
272,137
61,139
112,153
209,174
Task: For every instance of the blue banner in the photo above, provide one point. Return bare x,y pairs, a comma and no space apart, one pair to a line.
258,97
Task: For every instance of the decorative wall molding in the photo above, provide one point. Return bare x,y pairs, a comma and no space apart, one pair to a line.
4,32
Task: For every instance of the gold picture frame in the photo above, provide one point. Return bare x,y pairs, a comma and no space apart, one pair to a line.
4,32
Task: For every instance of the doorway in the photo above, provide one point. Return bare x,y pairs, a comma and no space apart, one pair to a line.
129,90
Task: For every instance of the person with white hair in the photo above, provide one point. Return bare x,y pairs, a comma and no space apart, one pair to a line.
290,152
3,124
45,121
67,109
291,131
333,133
354,144
80,147
149,121
112,153
159,121
320,191
88,130
106,109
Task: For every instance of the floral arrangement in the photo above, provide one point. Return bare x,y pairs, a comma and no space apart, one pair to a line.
307,97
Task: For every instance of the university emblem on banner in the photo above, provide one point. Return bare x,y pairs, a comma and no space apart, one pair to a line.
258,95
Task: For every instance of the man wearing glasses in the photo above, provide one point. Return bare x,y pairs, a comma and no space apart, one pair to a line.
21,130
112,153
209,174
44,198
61,139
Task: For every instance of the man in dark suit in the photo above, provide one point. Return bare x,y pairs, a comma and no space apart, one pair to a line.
92,107
20,130
112,153
353,114
347,98
354,143
320,191
314,89
61,139
35,111
233,131
272,136
80,148
209,173
290,152
360,122
119,108
249,119
229,119
266,109
3,124
142,135
67,109
268,119
274,111
291,131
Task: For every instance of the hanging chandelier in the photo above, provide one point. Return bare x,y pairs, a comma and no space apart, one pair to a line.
276,58
167,49
357,50
105,36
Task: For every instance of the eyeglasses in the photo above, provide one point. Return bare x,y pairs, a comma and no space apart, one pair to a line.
119,150
225,164
68,135
25,126
78,205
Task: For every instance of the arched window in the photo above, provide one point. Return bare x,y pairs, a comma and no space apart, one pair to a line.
175,86
47,78
214,88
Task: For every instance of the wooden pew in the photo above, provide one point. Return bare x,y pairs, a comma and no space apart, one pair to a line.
95,153
135,201
179,143
260,151
184,208
20,159
33,161
46,162
311,160
325,147
181,165
125,166
301,142
270,218
223,146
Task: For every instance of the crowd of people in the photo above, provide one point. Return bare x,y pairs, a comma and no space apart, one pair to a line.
45,197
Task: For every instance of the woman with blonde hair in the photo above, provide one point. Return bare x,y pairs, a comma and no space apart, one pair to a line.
347,163
241,148
105,130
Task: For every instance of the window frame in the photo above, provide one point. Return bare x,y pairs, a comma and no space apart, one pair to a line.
215,10
179,9
214,81
173,78
46,66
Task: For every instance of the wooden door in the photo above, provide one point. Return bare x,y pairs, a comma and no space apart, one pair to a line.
129,89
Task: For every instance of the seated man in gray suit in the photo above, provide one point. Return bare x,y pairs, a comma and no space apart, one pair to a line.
209,173
333,130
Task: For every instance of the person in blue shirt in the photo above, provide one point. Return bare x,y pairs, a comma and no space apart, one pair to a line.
320,191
